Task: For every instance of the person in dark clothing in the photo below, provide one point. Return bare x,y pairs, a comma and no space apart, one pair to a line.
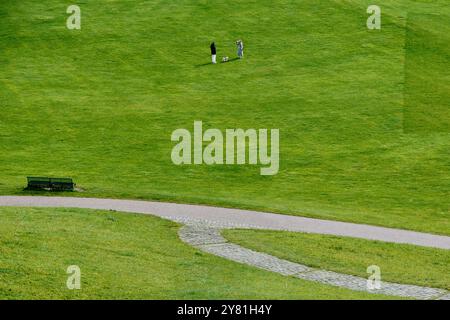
213,53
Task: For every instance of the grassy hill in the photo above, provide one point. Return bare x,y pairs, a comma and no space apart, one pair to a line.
126,256
352,256
100,104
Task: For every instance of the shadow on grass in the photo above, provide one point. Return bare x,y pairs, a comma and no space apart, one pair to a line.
31,192
210,63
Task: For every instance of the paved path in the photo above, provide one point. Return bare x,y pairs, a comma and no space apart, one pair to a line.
229,218
209,239
203,226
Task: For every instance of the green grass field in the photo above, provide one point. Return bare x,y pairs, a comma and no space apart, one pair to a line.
100,104
363,117
398,263
126,256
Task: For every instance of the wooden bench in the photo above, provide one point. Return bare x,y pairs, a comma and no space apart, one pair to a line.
50,184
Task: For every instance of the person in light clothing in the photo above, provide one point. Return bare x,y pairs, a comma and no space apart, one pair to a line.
213,53
240,49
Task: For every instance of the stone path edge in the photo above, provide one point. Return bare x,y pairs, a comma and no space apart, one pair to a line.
210,240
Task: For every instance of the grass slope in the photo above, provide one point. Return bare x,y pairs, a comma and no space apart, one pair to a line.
100,104
126,256
398,263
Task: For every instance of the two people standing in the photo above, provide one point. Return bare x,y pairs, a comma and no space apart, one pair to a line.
240,51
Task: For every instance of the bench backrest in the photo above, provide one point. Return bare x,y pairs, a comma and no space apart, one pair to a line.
50,183
38,179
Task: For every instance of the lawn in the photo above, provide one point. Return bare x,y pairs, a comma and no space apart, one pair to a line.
99,104
399,263
127,256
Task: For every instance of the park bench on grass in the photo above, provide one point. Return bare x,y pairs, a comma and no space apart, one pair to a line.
50,184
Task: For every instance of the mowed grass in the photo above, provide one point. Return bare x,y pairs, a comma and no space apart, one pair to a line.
398,263
126,256
427,103
100,104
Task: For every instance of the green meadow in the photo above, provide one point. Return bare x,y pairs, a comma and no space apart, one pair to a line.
127,256
398,263
99,104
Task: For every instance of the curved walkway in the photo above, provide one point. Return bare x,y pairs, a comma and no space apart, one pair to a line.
210,240
203,225
230,218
